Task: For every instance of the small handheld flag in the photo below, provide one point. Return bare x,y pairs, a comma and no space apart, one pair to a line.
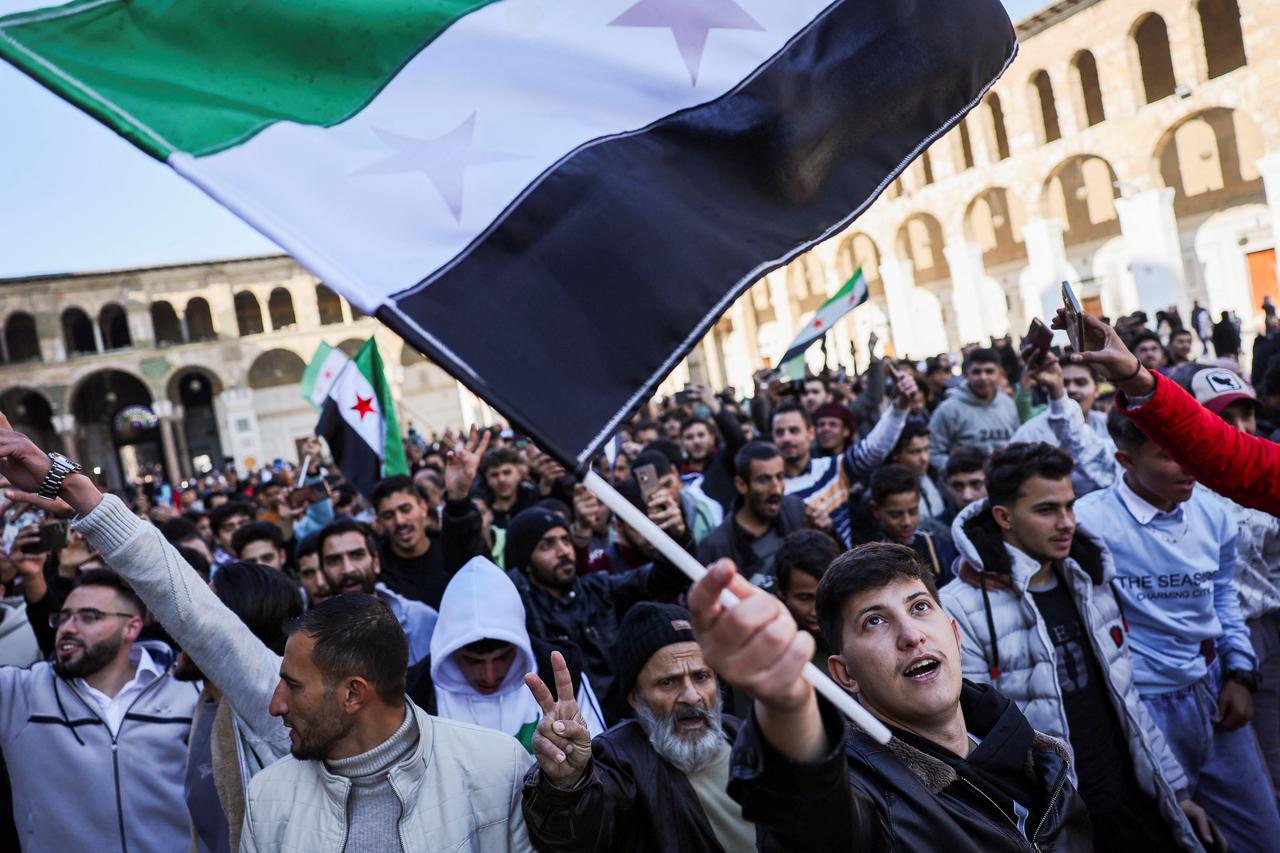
850,296
324,367
358,419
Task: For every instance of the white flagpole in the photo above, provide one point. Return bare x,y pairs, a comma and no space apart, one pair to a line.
686,563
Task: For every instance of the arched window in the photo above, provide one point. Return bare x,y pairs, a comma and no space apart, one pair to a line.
1223,41
77,332
356,313
330,305
20,339
248,314
1042,93
280,307
1152,40
164,322
1086,71
114,324
920,241
199,320
276,367
997,139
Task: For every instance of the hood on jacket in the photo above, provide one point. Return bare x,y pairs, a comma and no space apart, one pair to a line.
479,603
981,545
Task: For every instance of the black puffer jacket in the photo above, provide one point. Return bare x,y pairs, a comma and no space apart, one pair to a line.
633,801
866,797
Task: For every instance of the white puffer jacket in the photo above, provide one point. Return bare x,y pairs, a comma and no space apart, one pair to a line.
459,790
1023,661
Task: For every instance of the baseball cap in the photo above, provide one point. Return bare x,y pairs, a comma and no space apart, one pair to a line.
1216,388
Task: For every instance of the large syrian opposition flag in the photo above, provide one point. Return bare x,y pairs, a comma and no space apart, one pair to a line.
553,200
358,420
850,296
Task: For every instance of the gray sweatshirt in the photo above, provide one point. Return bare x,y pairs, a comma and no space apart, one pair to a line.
964,419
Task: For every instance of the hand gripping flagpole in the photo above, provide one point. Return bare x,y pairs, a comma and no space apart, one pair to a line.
685,562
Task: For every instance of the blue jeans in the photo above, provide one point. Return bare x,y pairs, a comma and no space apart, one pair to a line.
1227,774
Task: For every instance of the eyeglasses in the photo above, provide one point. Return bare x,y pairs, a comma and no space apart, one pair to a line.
86,616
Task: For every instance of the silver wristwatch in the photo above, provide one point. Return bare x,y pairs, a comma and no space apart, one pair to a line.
61,468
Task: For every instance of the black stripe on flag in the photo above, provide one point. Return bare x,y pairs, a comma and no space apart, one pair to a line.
587,292
359,462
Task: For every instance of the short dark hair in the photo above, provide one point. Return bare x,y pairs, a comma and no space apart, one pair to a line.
356,634
871,566
219,514
694,420
1143,337
256,531
340,526
667,448
982,355
177,530
645,425
808,551
791,406
892,480
1124,432
1093,370
826,383
388,486
196,560
753,451
485,645
914,428
1181,330
498,456
111,580
1011,466
265,600
964,460
306,547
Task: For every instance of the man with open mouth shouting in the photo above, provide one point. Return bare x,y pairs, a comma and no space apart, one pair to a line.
964,772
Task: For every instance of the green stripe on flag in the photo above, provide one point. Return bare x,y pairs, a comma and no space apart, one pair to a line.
369,362
201,77
312,373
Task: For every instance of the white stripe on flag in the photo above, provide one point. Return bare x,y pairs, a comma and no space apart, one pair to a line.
329,370
399,189
358,404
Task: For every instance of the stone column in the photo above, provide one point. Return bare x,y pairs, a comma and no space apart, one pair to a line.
965,260
241,436
899,279
1269,167
164,411
1150,232
780,299
185,467
97,335
65,426
1047,268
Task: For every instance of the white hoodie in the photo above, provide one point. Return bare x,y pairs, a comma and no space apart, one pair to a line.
480,603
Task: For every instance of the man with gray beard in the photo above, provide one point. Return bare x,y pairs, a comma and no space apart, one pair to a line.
657,782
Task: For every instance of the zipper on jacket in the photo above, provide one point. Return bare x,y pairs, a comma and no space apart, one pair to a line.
115,746
1057,792
1017,834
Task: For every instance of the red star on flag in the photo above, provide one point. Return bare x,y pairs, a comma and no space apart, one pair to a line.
328,374
364,405
817,324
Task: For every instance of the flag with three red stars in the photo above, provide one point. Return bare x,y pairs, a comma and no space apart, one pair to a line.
358,419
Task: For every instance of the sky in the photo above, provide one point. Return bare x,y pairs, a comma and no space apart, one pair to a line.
75,197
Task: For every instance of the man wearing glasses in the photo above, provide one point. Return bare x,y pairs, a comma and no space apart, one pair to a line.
106,718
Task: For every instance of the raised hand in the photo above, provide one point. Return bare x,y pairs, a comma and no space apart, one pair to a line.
463,462
664,511
22,463
1106,351
818,518
1046,370
586,511
907,392
561,743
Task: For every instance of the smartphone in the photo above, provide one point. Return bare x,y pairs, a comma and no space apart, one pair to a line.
16,517
1037,342
647,478
305,494
684,397
53,537
1075,317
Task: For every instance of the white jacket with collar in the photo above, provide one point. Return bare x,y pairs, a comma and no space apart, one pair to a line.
459,790
1027,669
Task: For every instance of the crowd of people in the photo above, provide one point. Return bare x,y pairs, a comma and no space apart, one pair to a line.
1039,568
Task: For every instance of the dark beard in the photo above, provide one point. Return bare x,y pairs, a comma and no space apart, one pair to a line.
186,669
320,734
91,661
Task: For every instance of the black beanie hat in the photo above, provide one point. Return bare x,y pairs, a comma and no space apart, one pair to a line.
525,530
647,627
